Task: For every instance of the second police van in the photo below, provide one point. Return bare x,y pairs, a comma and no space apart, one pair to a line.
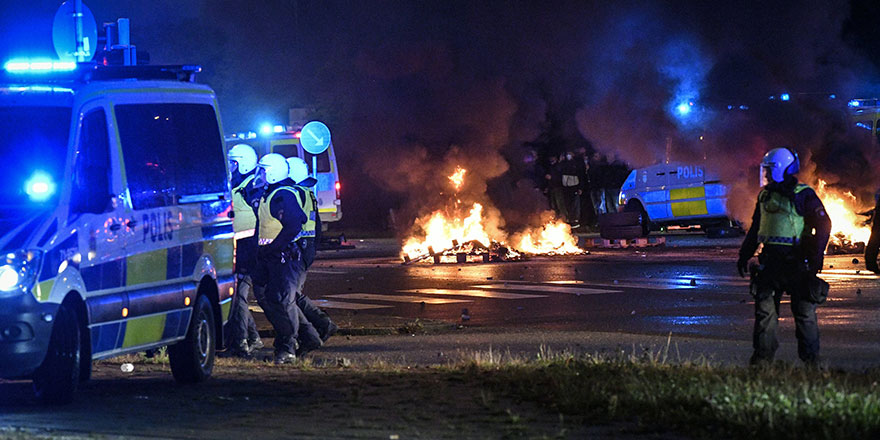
676,194
114,229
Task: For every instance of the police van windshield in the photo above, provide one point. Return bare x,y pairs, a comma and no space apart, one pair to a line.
33,149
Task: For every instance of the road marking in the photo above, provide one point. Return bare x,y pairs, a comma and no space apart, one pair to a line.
475,292
330,304
327,271
546,288
399,298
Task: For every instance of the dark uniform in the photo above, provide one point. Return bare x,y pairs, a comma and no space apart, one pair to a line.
241,326
281,219
871,250
307,246
785,217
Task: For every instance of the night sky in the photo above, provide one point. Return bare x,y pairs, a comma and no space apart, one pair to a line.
410,89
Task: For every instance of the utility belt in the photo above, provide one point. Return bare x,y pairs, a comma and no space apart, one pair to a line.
762,282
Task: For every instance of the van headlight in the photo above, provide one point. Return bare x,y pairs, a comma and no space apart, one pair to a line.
621,199
18,271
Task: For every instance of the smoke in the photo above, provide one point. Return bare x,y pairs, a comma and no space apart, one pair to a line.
704,95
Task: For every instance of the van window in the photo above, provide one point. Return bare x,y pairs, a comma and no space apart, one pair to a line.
91,169
170,151
323,161
286,150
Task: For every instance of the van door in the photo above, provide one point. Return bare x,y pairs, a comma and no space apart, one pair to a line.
655,193
103,231
326,188
687,193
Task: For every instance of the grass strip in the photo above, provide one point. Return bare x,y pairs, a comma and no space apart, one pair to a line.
778,401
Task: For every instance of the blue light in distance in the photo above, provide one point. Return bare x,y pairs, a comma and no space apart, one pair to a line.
266,129
684,108
784,97
854,103
39,187
38,66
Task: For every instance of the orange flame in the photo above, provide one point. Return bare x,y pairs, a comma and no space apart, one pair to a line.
842,209
457,178
553,238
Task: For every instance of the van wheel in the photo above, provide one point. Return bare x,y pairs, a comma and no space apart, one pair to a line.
56,379
192,359
644,221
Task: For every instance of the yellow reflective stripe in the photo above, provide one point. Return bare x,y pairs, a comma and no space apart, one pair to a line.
293,141
327,210
148,267
225,307
695,207
221,252
42,290
696,192
144,330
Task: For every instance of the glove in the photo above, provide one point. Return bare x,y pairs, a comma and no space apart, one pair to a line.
742,266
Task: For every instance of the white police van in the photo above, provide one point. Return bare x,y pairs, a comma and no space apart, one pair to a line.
675,194
114,228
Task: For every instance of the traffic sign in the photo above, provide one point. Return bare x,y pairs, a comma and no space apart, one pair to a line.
75,32
315,137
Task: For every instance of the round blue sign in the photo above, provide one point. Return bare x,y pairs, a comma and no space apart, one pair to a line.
75,42
315,137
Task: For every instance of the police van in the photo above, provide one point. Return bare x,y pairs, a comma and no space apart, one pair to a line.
115,236
675,194
278,139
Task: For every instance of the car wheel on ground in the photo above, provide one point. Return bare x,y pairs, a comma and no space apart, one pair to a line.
56,379
192,359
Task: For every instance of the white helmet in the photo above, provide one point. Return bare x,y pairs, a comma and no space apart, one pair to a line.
243,157
777,164
272,169
299,171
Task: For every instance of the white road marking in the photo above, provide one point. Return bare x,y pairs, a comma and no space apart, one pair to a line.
330,304
475,292
546,288
399,298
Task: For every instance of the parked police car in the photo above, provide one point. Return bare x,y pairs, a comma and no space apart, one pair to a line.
673,194
114,233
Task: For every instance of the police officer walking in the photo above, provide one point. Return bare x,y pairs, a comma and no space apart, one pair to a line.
873,247
791,223
241,326
280,222
306,242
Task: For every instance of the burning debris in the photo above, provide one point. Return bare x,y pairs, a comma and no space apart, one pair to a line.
465,236
849,233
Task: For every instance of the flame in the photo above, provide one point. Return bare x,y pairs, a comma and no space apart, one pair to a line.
457,178
846,224
553,238
440,231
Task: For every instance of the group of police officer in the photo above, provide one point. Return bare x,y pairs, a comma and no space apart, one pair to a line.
276,222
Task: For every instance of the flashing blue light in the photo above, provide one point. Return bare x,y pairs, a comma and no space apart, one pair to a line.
854,103
832,96
684,108
784,97
40,186
38,66
265,129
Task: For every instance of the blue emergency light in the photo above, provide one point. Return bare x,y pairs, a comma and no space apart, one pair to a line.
266,129
784,97
684,108
25,66
39,187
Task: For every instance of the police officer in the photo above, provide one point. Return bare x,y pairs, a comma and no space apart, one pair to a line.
307,244
871,250
280,222
241,326
791,223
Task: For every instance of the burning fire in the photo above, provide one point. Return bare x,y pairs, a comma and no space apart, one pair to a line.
466,232
847,227
457,178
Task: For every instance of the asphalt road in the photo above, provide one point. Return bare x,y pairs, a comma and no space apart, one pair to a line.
688,288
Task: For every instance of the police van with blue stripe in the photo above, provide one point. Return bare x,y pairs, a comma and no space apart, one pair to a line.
115,236
675,194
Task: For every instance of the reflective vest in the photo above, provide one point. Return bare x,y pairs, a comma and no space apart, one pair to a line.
270,227
244,221
780,222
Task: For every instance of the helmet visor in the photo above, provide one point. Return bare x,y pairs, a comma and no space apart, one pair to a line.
233,166
765,175
260,178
